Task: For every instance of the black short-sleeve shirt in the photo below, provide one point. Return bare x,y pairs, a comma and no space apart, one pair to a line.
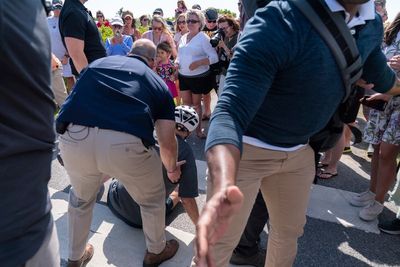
76,22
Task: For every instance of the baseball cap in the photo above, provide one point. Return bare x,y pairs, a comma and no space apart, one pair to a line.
57,4
211,13
117,21
158,11
196,6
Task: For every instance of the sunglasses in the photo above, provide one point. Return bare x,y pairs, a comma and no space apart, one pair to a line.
157,29
128,18
181,22
145,19
192,21
211,21
99,16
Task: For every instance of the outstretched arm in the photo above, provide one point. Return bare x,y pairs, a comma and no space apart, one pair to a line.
223,161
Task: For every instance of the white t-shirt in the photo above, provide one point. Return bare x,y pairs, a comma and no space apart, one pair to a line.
57,47
197,48
177,37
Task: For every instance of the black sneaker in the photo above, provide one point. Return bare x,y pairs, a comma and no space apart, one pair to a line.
257,260
392,227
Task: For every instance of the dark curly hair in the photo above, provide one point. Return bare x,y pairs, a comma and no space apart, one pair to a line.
231,22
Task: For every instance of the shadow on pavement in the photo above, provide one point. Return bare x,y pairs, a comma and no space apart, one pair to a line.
338,246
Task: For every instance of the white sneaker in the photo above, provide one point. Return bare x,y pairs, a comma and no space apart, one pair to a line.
370,150
371,212
363,199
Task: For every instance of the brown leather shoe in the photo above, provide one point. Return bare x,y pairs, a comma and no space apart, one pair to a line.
154,260
87,256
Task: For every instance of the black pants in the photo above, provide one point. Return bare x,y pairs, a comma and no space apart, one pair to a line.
248,244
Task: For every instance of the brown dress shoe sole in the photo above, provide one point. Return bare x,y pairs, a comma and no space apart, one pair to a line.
156,264
82,262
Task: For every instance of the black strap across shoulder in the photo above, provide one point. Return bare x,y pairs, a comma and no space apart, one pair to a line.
47,4
334,31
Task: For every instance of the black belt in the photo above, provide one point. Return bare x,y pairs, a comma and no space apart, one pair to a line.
146,143
61,127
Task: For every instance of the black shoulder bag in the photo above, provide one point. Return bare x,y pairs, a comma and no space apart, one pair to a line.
334,31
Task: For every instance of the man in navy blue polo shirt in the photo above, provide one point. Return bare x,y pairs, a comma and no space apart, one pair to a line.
109,121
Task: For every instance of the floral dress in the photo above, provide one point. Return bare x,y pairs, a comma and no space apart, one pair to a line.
384,126
168,73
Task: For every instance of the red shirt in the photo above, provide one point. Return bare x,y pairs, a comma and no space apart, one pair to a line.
106,23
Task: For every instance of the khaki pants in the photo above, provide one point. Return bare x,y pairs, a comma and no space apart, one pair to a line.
58,86
48,254
284,179
91,153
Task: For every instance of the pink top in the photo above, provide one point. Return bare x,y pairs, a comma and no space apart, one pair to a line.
165,37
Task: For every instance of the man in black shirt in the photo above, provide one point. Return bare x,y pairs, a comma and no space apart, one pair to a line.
27,233
80,35
211,26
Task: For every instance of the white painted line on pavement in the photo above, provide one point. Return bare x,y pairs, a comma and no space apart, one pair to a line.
332,205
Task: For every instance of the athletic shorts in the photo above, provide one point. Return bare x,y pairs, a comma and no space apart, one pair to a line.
201,84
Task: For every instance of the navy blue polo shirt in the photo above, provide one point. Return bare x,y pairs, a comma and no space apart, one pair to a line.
119,93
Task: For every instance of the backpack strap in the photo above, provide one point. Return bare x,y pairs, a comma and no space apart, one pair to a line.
47,5
334,31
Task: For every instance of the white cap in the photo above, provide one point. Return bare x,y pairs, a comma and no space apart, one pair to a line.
117,21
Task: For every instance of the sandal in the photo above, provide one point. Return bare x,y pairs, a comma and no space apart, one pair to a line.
347,149
321,165
357,134
327,175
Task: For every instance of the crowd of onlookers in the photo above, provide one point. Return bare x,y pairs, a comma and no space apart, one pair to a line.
181,62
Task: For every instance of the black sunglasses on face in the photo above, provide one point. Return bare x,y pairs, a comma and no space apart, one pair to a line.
192,21
211,21
181,22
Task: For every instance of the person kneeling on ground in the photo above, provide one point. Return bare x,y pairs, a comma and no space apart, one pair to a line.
125,207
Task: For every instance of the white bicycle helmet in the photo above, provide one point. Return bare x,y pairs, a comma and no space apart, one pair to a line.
187,117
